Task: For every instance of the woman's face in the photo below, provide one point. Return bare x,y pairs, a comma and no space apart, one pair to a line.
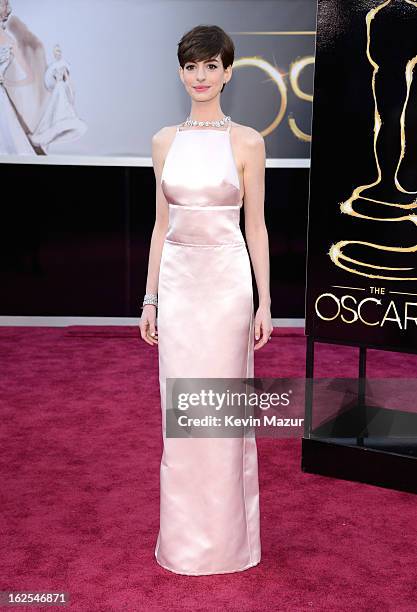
203,80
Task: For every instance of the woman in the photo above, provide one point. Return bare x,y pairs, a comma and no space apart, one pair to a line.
200,280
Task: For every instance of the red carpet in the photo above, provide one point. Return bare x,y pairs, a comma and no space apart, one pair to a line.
80,453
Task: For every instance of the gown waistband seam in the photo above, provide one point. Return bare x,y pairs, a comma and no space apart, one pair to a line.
207,206
197,244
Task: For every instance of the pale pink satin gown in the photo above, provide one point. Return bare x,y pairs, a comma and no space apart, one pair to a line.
209,492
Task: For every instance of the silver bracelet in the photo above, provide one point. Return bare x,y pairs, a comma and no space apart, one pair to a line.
150,298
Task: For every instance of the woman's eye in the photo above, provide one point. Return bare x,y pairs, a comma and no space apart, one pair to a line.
209,65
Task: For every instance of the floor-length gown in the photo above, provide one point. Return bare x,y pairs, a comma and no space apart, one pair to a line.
209,492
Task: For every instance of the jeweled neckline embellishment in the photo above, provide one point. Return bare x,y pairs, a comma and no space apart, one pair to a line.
216,123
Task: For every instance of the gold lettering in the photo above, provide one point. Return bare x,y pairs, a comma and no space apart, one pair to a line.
391,305
360,309
343,300
406,317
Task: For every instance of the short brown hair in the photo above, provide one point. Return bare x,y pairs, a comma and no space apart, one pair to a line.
204,42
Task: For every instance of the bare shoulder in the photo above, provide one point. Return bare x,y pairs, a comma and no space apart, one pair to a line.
250,145
247,135
163,136
161,142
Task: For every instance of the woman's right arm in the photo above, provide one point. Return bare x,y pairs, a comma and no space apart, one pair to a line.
160,145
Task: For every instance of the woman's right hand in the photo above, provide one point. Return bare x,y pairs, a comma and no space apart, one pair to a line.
147,325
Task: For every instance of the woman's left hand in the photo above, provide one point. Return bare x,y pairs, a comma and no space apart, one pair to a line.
263,326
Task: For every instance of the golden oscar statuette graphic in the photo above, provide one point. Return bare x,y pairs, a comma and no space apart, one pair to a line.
389,198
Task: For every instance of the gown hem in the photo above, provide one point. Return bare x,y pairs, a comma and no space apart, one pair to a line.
231,571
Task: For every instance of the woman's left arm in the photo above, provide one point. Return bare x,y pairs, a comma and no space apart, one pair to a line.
255,230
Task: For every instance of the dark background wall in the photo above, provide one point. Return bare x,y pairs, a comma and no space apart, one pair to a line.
75,239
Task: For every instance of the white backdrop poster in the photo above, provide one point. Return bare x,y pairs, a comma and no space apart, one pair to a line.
93,80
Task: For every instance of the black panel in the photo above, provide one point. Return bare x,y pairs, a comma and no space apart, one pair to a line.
75,239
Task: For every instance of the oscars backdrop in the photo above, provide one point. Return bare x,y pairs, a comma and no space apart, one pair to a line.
95,80
362,227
